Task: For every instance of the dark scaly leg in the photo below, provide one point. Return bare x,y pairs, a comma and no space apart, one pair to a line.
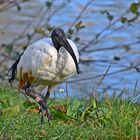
47,96
48,93
45,100
40,101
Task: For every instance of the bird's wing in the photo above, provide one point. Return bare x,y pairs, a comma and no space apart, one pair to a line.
37,64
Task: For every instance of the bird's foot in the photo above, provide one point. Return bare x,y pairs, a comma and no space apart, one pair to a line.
44,110
43,106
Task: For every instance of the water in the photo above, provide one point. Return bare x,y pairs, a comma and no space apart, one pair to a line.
12,24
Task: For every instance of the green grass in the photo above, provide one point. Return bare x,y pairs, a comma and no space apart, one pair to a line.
109,119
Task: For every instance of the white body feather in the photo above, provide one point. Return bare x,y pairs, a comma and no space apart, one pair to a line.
48,66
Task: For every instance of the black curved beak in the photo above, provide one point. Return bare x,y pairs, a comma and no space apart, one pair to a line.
68,47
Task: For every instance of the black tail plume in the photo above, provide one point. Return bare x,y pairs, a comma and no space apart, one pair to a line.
12,71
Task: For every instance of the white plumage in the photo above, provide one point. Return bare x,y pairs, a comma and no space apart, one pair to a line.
47,66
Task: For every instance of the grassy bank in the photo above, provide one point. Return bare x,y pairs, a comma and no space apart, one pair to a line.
109,119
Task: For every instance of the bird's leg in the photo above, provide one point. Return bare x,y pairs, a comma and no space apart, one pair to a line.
47,96
48,93
45,99
40,101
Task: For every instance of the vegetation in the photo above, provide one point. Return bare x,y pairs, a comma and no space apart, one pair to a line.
107,38
109,118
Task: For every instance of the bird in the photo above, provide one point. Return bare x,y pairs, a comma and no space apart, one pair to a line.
47,62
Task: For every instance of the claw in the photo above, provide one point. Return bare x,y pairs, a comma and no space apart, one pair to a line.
43,109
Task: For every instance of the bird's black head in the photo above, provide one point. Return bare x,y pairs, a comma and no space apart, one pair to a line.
58,36
59,40
57,32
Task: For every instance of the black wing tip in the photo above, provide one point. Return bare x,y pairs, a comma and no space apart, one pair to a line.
13,70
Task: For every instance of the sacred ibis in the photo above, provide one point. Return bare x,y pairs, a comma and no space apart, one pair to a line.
47,62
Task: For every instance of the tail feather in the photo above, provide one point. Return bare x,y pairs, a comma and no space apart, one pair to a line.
13,70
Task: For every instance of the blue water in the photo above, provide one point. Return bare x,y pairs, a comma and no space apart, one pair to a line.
95,22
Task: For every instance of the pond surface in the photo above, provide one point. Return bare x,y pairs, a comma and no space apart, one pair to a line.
13,22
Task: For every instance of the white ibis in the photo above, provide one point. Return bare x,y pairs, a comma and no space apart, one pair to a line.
47,62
